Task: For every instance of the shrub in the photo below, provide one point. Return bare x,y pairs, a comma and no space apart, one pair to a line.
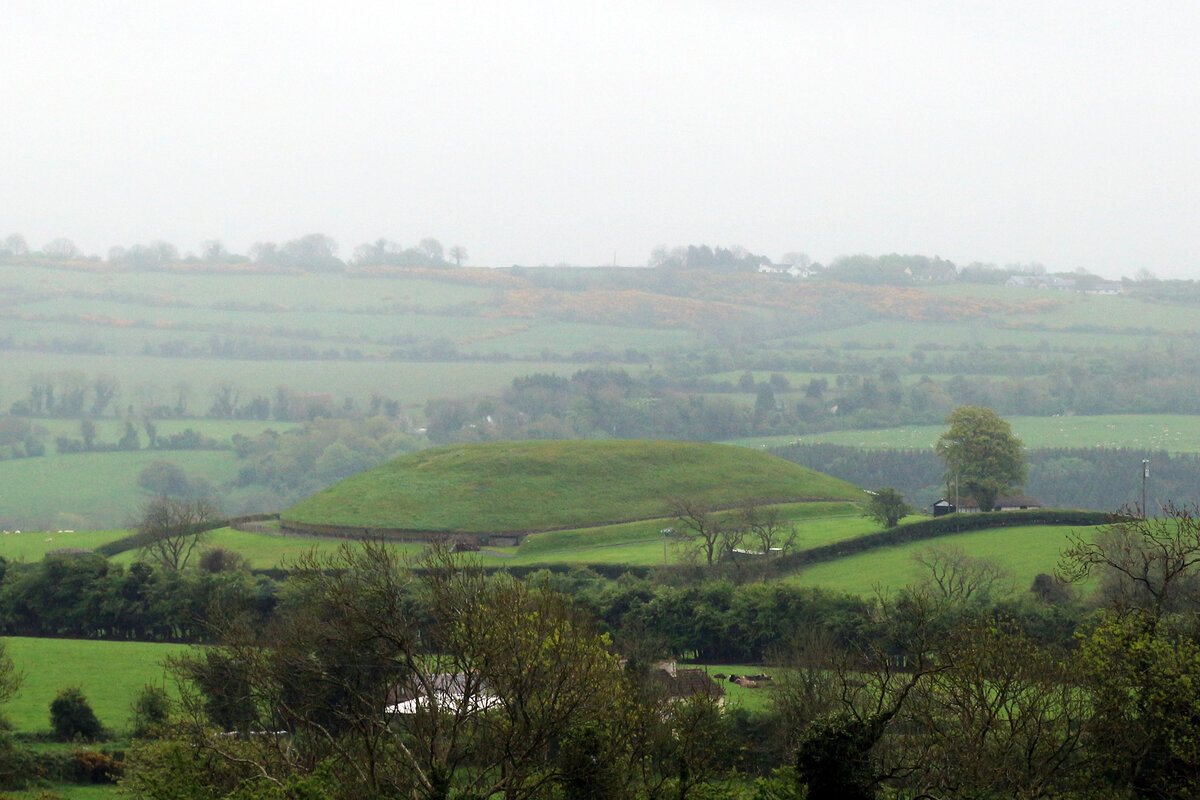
72,718
16,762
150,710
93,767
215,560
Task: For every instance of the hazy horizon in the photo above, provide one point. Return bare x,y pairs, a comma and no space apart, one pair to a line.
589,133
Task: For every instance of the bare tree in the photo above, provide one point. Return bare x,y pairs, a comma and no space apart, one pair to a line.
61,250
766,528
699,526
173,527
847,753
955,575
1007,718
459,254
1147,566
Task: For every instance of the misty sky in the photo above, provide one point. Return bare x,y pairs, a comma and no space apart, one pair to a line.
546,132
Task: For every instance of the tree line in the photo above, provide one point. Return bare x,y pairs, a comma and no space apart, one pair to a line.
314,252
375,680
1095,478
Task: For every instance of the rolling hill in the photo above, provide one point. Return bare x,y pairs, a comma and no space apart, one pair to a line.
517,487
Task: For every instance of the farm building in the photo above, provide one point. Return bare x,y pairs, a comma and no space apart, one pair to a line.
969,505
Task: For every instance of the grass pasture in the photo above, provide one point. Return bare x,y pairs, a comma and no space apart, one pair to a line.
90,489
154,380
1175,433
110,430
109,673
1024,551
643,544
268,550
635,543
280,291
33,545
897,336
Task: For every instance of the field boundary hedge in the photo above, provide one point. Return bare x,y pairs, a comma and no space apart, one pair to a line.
136,541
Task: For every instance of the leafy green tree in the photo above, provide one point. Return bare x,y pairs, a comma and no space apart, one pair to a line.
10,679
887,507
72,718
165,478
1141,663
982,455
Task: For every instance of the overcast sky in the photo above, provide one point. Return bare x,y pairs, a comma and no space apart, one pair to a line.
582,132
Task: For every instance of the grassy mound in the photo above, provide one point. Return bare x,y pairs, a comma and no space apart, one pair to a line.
544,485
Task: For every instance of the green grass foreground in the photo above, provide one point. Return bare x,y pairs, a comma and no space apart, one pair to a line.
109,673
67,791
540,485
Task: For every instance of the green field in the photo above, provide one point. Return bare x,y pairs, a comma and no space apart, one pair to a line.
68,491
636,543
538,485
1175,433
153,380
265,550
1023,551
902,336
110,430
33,545
109,673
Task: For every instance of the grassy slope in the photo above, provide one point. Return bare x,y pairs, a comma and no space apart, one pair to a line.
511,486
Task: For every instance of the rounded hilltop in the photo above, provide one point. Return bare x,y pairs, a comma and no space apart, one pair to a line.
525,486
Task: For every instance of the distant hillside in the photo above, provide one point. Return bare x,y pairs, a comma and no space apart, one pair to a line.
543,485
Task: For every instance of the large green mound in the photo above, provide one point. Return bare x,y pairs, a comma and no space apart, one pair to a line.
542,485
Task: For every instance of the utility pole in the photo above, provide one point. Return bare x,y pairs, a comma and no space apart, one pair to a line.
1145,475
957,525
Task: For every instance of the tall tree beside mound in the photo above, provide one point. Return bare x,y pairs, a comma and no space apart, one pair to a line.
983,457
